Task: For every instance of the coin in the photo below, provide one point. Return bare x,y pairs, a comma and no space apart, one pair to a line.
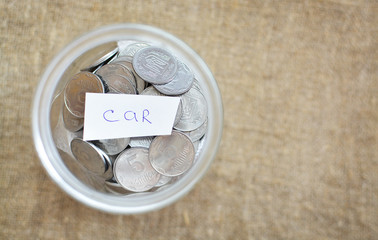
127,62
196,145
163,180
91,157
77,87
181,82
155,65
115,188
107,55
141,141
171,155
133,171
119,84
55,110
122,44
131,49
194,110
71,122
112,146
82,173
62,138
153,92
196,84
116,69
197,133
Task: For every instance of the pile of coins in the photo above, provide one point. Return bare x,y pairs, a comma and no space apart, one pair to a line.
138,164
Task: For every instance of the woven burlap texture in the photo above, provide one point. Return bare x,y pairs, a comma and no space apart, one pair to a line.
298,157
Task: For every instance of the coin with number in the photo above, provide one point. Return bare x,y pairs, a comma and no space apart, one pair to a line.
180,83
155,65
171,155
133,171
77,87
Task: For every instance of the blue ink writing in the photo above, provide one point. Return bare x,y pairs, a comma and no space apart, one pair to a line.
144,116
133,114
106,119
112,116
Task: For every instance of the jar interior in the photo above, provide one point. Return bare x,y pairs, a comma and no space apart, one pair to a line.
62,137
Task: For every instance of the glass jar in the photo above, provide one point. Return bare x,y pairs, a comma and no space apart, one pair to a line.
79,54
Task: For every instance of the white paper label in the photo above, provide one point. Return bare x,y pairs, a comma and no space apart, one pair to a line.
109,116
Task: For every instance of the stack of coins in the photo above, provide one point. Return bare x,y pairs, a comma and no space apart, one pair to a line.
138,164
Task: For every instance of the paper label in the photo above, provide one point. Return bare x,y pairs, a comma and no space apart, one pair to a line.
109,116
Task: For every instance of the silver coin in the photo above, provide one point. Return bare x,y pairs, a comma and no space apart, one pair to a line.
163,180
153,92
106,54
112,146
119,84
194,110
196,84
71,122
77,87
155,65
92,158
55,110
129,73
82,173
181,82
141,141
115,188
196,145
62,138
116,69
133,171
122,44
171,155
127,62
197,133
131,49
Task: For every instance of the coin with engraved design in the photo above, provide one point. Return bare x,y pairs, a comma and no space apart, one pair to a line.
77,87
171,155
112,146
133,171
153,92
155,65
180,83
116,69
71,122
132,48
126,61
119,84
92,158
194,109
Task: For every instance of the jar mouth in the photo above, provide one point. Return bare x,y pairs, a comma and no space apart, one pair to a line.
51,82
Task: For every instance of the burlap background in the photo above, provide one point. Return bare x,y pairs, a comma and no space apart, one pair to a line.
299,155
